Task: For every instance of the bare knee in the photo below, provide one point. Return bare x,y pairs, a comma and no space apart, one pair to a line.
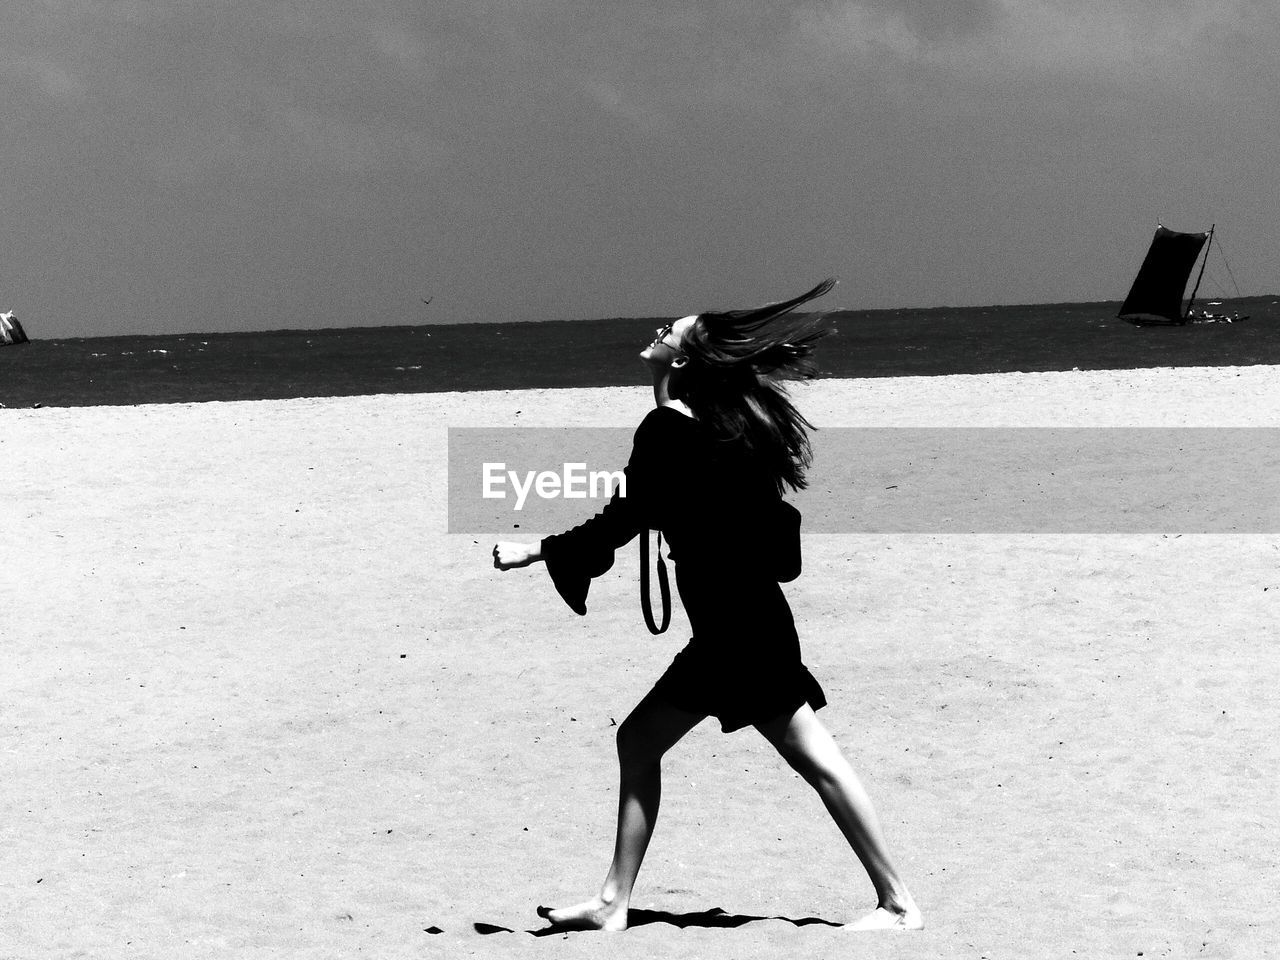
802,763
650,730
819,764
636,747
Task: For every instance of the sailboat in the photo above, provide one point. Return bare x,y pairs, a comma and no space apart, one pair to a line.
1156,294
10,329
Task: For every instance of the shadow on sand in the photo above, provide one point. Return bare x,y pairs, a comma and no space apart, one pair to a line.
715,917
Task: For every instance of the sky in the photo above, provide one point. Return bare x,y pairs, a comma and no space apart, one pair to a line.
178,166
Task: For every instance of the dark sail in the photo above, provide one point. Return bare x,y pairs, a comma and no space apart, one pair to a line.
11,330
1156,294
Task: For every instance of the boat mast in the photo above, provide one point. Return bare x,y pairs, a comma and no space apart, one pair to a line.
1203,263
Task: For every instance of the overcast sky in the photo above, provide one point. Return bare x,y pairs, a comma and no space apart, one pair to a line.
171,165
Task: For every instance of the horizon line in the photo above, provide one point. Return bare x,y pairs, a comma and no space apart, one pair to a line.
442,324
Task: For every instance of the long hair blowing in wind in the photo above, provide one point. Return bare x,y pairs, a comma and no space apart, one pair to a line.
734,381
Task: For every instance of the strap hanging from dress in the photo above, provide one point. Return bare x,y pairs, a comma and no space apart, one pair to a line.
663,586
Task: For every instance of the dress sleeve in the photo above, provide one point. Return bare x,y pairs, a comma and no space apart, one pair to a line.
784,541
577,556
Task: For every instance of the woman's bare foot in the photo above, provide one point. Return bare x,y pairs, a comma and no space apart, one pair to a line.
884,918
594,914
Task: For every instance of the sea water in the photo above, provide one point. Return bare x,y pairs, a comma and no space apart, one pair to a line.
276,364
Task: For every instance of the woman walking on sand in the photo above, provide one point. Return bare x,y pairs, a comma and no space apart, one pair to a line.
708,468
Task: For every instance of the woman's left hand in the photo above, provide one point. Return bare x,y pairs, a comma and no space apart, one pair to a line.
508,555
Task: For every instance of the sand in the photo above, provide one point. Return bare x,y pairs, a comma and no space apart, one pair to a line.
258,704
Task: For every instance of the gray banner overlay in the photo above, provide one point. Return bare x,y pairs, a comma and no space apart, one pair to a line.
911,480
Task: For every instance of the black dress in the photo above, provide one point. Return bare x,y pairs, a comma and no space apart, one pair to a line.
728,537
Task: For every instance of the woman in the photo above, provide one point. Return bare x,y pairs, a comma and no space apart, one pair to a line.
708,468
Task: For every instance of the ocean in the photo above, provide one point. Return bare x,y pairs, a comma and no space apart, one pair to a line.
278,364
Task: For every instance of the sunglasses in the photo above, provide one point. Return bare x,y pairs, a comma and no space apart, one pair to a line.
662,336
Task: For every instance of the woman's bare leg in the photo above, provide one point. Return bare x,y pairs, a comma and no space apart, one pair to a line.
812,752
649,732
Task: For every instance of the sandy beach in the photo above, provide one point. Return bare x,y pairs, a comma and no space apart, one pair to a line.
259,704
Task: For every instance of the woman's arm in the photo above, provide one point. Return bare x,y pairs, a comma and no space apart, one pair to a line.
574,557
509,556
